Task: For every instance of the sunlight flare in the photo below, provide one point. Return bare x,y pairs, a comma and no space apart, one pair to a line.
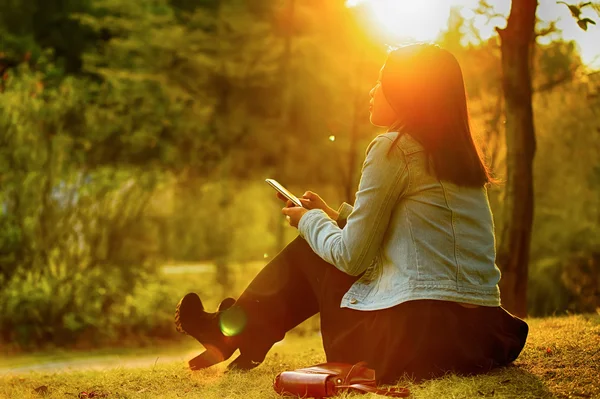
232,321
421,20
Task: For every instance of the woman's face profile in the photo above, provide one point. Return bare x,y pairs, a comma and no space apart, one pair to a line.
382,114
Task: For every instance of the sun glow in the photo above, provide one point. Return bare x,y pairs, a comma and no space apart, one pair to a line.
400,21
421,20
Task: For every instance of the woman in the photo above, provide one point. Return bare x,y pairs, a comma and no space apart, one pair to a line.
404,280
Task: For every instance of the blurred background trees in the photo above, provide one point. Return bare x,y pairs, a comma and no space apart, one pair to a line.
135,138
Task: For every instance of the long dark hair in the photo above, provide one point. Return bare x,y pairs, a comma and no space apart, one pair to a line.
424,85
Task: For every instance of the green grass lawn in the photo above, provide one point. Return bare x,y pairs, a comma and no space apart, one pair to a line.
561,359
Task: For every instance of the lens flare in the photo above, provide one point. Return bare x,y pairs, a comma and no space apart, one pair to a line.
232,321
402,20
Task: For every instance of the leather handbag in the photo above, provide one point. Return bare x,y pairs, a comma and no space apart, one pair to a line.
329,379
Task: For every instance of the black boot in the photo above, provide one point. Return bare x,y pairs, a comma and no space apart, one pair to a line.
206,328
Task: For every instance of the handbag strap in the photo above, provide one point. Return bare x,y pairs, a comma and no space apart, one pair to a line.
393,392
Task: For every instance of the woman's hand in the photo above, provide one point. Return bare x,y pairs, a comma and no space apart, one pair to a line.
294,214
312,200
309,200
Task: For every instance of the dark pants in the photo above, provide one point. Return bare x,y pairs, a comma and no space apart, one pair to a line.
421,339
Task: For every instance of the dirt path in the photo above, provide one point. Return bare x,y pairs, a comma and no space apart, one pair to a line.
97,363
127,358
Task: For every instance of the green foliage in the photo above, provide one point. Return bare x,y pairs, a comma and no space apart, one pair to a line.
196,61
74,242
546,293
577,10
226,220
566,232
581,276
29,27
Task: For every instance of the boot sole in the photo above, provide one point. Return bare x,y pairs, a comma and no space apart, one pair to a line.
187,307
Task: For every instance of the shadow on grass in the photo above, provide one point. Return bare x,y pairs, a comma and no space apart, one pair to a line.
509,382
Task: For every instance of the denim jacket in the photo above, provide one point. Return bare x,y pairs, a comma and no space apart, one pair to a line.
409,235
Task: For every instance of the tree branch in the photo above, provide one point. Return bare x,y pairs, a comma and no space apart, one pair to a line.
555,82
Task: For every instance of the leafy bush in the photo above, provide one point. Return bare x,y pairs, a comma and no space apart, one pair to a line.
581,276
74,238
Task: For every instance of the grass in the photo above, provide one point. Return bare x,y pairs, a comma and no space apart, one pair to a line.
561,360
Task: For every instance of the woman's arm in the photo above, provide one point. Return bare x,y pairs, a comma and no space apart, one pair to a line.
384,179
343,212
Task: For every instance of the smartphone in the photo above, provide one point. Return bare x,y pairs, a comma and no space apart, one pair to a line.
284,192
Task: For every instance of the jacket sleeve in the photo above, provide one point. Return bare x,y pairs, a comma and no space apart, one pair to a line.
384,179
343,212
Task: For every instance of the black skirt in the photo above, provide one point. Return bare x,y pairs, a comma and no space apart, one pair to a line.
418,339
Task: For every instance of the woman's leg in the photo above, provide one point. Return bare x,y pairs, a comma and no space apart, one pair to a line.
423,339
283,294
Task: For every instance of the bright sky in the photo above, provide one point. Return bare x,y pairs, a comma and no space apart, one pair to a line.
423,20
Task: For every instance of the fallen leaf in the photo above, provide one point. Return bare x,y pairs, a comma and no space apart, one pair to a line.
42,390
97,395
92,394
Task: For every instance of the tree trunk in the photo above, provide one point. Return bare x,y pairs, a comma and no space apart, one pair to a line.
284,115
513,248
359,102
221,125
